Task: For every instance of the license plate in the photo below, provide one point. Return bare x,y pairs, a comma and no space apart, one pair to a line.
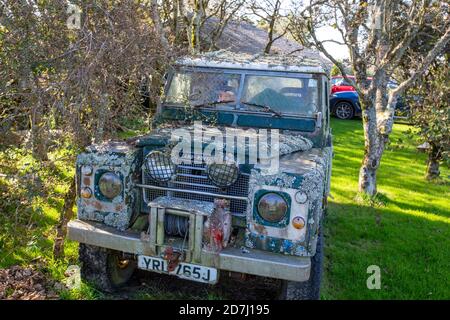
182,270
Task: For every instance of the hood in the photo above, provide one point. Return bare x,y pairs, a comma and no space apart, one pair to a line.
170,136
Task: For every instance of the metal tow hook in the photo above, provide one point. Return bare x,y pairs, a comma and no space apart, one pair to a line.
172,257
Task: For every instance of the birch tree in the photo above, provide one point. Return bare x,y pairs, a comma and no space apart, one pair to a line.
224,11
200,11
377,34
270,13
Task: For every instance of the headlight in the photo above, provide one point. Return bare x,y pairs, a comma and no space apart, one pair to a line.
159,166
110,185
223,174
272,207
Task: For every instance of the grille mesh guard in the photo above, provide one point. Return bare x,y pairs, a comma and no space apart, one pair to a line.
193,177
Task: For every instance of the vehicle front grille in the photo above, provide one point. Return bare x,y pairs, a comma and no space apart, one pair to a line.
193,177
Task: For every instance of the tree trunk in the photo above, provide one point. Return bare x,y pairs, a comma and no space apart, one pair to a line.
377,122
270,37
38,138
194,36
182,24
433,171
372,154
375,138
174,26
66,215
158,25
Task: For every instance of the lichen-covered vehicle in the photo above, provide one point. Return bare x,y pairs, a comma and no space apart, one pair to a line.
139,206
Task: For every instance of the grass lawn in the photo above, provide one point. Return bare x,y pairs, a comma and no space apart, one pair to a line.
408,236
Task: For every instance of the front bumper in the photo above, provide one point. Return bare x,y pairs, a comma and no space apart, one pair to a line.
254,262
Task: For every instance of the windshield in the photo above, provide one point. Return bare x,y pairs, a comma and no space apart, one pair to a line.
281,94
203,88
261,93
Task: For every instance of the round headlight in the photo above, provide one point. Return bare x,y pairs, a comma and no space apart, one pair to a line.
159,166
223,174
110,185
272,207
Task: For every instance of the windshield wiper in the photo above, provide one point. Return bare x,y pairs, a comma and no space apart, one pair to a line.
212,103
267,108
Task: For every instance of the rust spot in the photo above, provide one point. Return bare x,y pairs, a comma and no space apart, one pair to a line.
119,207
260,229
87,181
145,236
97,205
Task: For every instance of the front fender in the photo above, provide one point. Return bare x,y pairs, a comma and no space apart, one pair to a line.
308,172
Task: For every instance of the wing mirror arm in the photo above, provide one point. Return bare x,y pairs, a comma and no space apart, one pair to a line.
319,118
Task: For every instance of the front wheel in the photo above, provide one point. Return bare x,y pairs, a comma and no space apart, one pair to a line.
310,289
344,110
107,269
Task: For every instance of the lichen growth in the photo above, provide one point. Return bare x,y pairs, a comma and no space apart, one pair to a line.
197,206
282,180
314,182
121,158
261,61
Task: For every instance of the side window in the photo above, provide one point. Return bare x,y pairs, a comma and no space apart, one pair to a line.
326,101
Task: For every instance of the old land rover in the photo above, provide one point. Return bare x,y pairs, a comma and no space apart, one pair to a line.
232,178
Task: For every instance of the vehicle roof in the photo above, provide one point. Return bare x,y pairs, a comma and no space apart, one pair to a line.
266,62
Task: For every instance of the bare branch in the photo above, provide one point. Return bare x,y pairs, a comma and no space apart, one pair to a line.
437,49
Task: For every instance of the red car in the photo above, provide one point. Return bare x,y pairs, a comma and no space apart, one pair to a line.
338,84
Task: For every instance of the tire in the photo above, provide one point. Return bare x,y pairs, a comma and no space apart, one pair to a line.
344,110
310,289
105,268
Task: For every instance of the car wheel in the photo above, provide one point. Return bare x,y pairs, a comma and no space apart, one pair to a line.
107,269
310,289
344,110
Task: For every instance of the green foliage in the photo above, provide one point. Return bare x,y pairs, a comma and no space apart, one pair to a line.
378,200
131,127
31,199
430,110
85,292
335,71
